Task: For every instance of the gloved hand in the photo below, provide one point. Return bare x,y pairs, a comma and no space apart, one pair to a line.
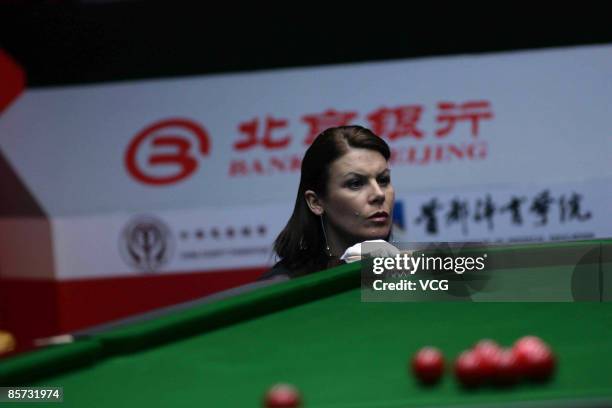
374,248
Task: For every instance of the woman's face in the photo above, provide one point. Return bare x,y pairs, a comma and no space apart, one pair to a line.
359,201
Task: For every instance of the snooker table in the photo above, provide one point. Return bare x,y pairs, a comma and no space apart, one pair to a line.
341,352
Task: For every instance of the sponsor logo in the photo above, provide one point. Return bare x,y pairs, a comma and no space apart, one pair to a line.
167,151
146,244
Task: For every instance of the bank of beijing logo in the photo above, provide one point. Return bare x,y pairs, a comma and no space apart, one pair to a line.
146,244
167,151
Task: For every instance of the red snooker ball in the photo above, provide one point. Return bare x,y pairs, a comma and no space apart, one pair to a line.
536,360
486,344
508,369
469,369
527,342
282,396
428,365
489,352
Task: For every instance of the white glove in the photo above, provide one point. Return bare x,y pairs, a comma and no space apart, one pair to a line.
375,248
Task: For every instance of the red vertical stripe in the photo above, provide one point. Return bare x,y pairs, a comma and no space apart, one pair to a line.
12,78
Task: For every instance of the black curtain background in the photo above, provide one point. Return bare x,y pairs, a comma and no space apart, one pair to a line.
63,42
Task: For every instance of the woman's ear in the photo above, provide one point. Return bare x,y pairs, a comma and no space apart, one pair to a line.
313,202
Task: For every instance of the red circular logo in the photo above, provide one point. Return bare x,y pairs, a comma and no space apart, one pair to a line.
167,151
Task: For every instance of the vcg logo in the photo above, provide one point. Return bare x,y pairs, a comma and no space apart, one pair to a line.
167,151
146,244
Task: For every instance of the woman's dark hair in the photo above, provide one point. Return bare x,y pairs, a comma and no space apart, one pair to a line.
300,244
